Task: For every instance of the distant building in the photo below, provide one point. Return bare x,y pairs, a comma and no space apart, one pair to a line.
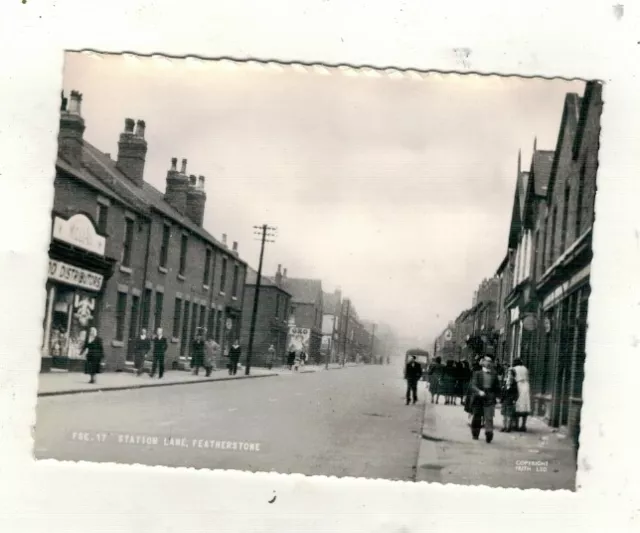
331,324
307,310
272,317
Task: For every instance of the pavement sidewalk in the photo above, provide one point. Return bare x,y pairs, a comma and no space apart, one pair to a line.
541,458
61,382
56,382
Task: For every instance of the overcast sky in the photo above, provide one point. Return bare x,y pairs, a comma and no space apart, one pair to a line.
398,190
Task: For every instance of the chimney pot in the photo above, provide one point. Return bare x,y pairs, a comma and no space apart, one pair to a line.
224,239
235,246
279,268
128,125
284,273
183,170
174,163
75,102
201,183
140,127
192,180
63,102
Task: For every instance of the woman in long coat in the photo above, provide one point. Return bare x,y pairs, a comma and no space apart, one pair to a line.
448,383
523,403
434,373
93,353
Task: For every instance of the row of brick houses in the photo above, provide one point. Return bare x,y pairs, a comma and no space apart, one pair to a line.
126,256
542,282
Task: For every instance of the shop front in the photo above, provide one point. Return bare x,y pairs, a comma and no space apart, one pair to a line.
76,277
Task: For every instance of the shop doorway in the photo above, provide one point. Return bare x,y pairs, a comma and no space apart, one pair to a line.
133,327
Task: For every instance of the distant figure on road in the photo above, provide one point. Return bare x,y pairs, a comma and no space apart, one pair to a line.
485,389
435,377
448,383
464,377
234,357
271,355
412,373
523,403
197,352
93,353
291,358
141,349
212,353
159,351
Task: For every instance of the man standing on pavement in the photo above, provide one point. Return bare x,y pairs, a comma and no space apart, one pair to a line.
484,388
234,358
159,350
142,347
412,373
197,352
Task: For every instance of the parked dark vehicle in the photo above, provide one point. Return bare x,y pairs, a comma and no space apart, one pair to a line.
422,356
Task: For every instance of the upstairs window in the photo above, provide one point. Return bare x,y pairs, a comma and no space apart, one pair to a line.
184,243
234,291
565,218
127,248
223,276
164,248
207,267
102,217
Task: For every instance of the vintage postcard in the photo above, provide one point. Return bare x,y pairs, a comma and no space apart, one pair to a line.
318,270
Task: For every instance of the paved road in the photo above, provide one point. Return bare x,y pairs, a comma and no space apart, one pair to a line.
348,422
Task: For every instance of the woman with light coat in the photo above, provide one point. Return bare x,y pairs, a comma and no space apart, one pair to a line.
523,403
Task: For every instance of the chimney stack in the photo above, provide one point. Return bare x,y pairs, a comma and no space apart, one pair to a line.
224,239
132,151
71,127
196,199
177,186
278,276
284,273
235,247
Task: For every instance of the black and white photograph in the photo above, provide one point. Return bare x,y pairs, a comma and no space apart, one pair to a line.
326,271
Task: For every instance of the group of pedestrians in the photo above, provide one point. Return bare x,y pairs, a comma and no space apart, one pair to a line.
480,387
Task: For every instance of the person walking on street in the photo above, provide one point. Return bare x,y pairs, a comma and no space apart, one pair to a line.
234,358
197,352
141,349
485,388
523,403
434,372
159,350
509,397
271,355
412,373
93,352
212,352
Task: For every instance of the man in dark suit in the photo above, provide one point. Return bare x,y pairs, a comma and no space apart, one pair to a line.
485,389
142,347
159,351
412,373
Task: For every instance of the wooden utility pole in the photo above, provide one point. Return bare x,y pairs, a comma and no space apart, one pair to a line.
264,231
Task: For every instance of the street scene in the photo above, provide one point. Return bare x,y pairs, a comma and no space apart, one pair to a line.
315,271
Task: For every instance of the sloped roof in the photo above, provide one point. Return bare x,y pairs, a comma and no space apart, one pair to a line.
541,165
99,171
252,278
330,302
304,291
523,182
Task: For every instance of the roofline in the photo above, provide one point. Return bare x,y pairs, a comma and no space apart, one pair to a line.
61,164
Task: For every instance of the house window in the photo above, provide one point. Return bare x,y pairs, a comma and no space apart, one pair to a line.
184,242
565,217
157,321
146,308
536,254
102,217
579,200
128,242
211,324
194,320
207,267
234,291
184,341
164,249
552,240
218,326
223,275
203,314
177,311
277,305
121,311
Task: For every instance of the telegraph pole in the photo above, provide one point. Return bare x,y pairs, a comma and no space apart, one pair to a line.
264,231
346,333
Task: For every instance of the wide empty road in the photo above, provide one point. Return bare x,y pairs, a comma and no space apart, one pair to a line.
344,422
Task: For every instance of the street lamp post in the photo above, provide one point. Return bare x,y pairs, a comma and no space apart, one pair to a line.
264,231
